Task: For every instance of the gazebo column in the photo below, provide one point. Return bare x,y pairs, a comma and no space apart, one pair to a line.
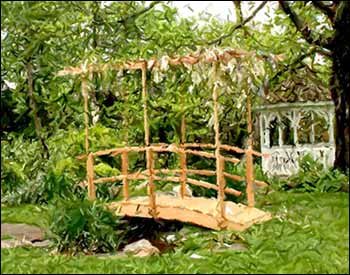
280,134
312,137
295,126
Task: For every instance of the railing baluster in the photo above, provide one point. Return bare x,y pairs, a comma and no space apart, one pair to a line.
90,177
183,157
151,186
249,158
222,184
125,173
220,162
183,177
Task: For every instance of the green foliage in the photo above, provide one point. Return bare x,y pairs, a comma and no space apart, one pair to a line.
82,226
27,178
313,177
88,227
308,234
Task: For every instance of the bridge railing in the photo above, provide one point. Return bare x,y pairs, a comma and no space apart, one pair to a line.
180,175
214,58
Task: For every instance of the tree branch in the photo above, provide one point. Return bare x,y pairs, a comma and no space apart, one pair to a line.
238,11
240,25
293,64
302,27
135,15
32,104
325,9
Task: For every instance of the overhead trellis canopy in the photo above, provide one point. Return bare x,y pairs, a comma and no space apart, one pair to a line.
204,56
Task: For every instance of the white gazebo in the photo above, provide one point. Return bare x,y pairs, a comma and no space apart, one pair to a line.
288,131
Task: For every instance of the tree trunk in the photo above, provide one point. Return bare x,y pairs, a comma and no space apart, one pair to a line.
32,104
340,83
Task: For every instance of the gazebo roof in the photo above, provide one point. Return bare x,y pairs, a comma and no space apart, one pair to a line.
300,86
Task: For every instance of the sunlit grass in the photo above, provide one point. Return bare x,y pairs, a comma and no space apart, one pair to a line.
309,234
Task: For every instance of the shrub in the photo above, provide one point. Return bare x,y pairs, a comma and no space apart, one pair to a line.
313,177
84,226
28,178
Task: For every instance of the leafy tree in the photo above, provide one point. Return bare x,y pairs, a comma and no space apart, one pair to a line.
41,38
308,28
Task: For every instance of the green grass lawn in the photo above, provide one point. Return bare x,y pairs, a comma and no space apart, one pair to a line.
309,234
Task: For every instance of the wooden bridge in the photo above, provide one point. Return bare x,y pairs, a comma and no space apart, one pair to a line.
208,212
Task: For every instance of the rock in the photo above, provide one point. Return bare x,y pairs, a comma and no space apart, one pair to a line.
45,243
188,190
234,246
22,231
196,256
166,193
170,238
141,248
141,185
14,243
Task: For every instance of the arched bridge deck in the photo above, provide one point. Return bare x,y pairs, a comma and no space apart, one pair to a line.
196,210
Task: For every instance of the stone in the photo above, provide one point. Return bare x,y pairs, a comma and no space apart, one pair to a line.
22,231
141,185
170,238
166,193
196,256
188,190
45,243
234,246
141,248
14,243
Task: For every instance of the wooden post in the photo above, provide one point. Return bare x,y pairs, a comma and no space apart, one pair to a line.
84,91
144,97
183,177
90,160
222,186
90,177
220,180
151,187
149,152
125,173
125,95
249,158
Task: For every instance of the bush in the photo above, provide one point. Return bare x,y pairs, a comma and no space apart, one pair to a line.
28,178
84,226
313,177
